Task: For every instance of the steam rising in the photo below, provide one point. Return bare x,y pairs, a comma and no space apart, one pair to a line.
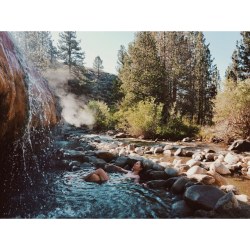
74,109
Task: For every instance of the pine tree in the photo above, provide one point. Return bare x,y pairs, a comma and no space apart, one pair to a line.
97,65
244,56
232,72
121,55
142,73
69,49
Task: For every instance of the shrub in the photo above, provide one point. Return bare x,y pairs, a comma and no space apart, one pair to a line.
141,120
103,116
232,110
177,129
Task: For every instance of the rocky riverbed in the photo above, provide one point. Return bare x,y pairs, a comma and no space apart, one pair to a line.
179,180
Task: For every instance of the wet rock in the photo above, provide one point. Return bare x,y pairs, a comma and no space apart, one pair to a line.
171,181
75,155
171,172
148,152
203,196
148,164
121,161
219,168
158,167
231,158
196,170
158,175
74,163
105,155
123,152
240,145
157,184
179,152
158,150
98,163
228,201
191,183
167,152
166,164
179,185
181,209
202,178
86,165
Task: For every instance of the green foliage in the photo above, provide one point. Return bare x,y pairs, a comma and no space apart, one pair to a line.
232,109
103,116
141,120
176,129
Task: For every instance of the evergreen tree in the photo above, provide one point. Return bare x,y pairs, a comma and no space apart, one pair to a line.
142,73
69,49
97,65
244,56
122,53
232,72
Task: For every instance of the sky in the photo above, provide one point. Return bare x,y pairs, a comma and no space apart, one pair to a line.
107,43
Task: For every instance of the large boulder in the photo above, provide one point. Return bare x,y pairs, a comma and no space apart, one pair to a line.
179,185
202,178
203,196
196,170
228,201
231,158
240,145
219,168
105,155
158,175
158,184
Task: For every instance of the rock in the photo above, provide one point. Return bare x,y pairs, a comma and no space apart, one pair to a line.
123,152
207,151
198,156
219,168
187,139
158,150
220,158
179,152
105,155
157,184
193,162
86,165
192,183
158,167
168,147
202,178
167,152
240,145
171,172
98,163
181,209
120,135
231,158
166,164
219,180
209,157
179,185
75,155
203,196
189,153
148,152
139,151
131,147
74,163
228,201
121,161
242,198
196,170
229,188
158,175
171,181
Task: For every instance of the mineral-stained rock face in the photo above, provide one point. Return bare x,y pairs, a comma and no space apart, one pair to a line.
25,98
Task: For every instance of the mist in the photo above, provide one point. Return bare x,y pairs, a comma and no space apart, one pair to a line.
74,108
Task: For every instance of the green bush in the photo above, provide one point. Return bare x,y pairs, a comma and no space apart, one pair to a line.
103,116
176,129
232,110
141,120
